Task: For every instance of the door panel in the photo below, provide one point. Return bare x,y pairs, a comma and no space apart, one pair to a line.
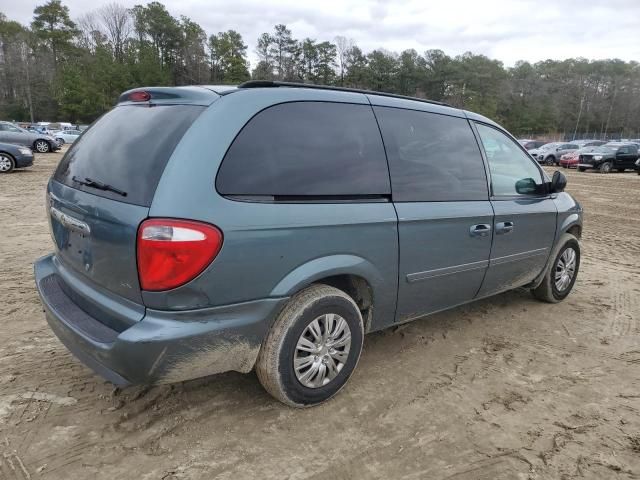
520,253
442,262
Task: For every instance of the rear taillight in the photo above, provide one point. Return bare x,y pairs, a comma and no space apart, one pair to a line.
174,252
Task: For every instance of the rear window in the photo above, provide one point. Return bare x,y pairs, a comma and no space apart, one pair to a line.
307,149
127,148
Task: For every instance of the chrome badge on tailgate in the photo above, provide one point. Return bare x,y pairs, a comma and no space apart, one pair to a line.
70,222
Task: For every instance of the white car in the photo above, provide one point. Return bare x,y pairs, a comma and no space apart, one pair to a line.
67,136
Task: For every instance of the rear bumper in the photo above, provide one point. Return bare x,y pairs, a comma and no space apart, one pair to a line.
163,347
23,160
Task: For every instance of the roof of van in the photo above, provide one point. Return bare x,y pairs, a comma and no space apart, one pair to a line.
206,94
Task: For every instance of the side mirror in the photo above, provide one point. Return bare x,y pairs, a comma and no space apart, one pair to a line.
558,182
527,186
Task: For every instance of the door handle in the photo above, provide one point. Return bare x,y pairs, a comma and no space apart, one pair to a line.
480,230
504,227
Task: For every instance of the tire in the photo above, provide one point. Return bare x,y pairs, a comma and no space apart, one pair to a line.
42,146
7,163
564,166
581,169
550,161
548,290
60,141
275,363
605,167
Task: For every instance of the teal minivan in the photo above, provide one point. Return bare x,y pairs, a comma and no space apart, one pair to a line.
199,230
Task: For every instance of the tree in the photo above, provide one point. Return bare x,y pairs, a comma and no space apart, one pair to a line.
52,25
117,21
343,47
228,54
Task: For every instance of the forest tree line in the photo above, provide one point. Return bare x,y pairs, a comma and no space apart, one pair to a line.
59,68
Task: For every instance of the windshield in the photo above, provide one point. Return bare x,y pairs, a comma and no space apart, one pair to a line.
605,148
548,146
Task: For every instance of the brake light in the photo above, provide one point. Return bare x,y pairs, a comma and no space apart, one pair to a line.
174,252
139,96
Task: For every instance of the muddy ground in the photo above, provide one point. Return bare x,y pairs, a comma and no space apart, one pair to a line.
502,388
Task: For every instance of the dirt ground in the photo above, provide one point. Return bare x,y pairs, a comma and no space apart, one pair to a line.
503,388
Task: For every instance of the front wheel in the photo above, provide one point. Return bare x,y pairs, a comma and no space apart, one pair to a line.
312,348
42,146
7,163
605,167
562,273
60,141
550,161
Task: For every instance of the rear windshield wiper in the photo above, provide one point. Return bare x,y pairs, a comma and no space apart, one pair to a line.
88,182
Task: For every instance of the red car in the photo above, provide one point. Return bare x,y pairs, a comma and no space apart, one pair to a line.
570,159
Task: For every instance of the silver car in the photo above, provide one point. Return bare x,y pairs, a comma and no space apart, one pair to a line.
67,136
550,153
10,133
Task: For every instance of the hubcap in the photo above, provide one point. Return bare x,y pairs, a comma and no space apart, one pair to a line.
565,269
42,147
5,163
322,350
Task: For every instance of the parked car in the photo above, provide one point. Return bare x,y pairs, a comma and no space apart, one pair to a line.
588,143
67,136
570,160
531,144
10,133
550,153
611,156
14,156
273,228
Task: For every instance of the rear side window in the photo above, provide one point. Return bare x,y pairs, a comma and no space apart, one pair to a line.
127,148
432,157
307,149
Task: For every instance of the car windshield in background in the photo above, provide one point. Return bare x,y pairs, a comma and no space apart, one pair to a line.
605,148
548,146
126,149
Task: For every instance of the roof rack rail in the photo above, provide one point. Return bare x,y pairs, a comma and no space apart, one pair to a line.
273,84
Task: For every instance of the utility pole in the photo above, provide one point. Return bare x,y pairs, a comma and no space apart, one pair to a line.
575,131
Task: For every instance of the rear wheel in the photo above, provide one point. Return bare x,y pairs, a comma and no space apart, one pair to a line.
312,348
42,146
605,167
562,273
7,163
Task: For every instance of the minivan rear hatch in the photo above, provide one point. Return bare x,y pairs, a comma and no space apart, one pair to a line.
104,186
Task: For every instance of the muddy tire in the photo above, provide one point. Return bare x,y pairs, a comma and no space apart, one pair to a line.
562,273
305,337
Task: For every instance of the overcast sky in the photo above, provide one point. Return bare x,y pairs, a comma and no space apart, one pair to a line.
506,30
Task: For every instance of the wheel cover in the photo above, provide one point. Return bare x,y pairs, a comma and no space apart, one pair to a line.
5,163
565,269
42,146
322,350
606,167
